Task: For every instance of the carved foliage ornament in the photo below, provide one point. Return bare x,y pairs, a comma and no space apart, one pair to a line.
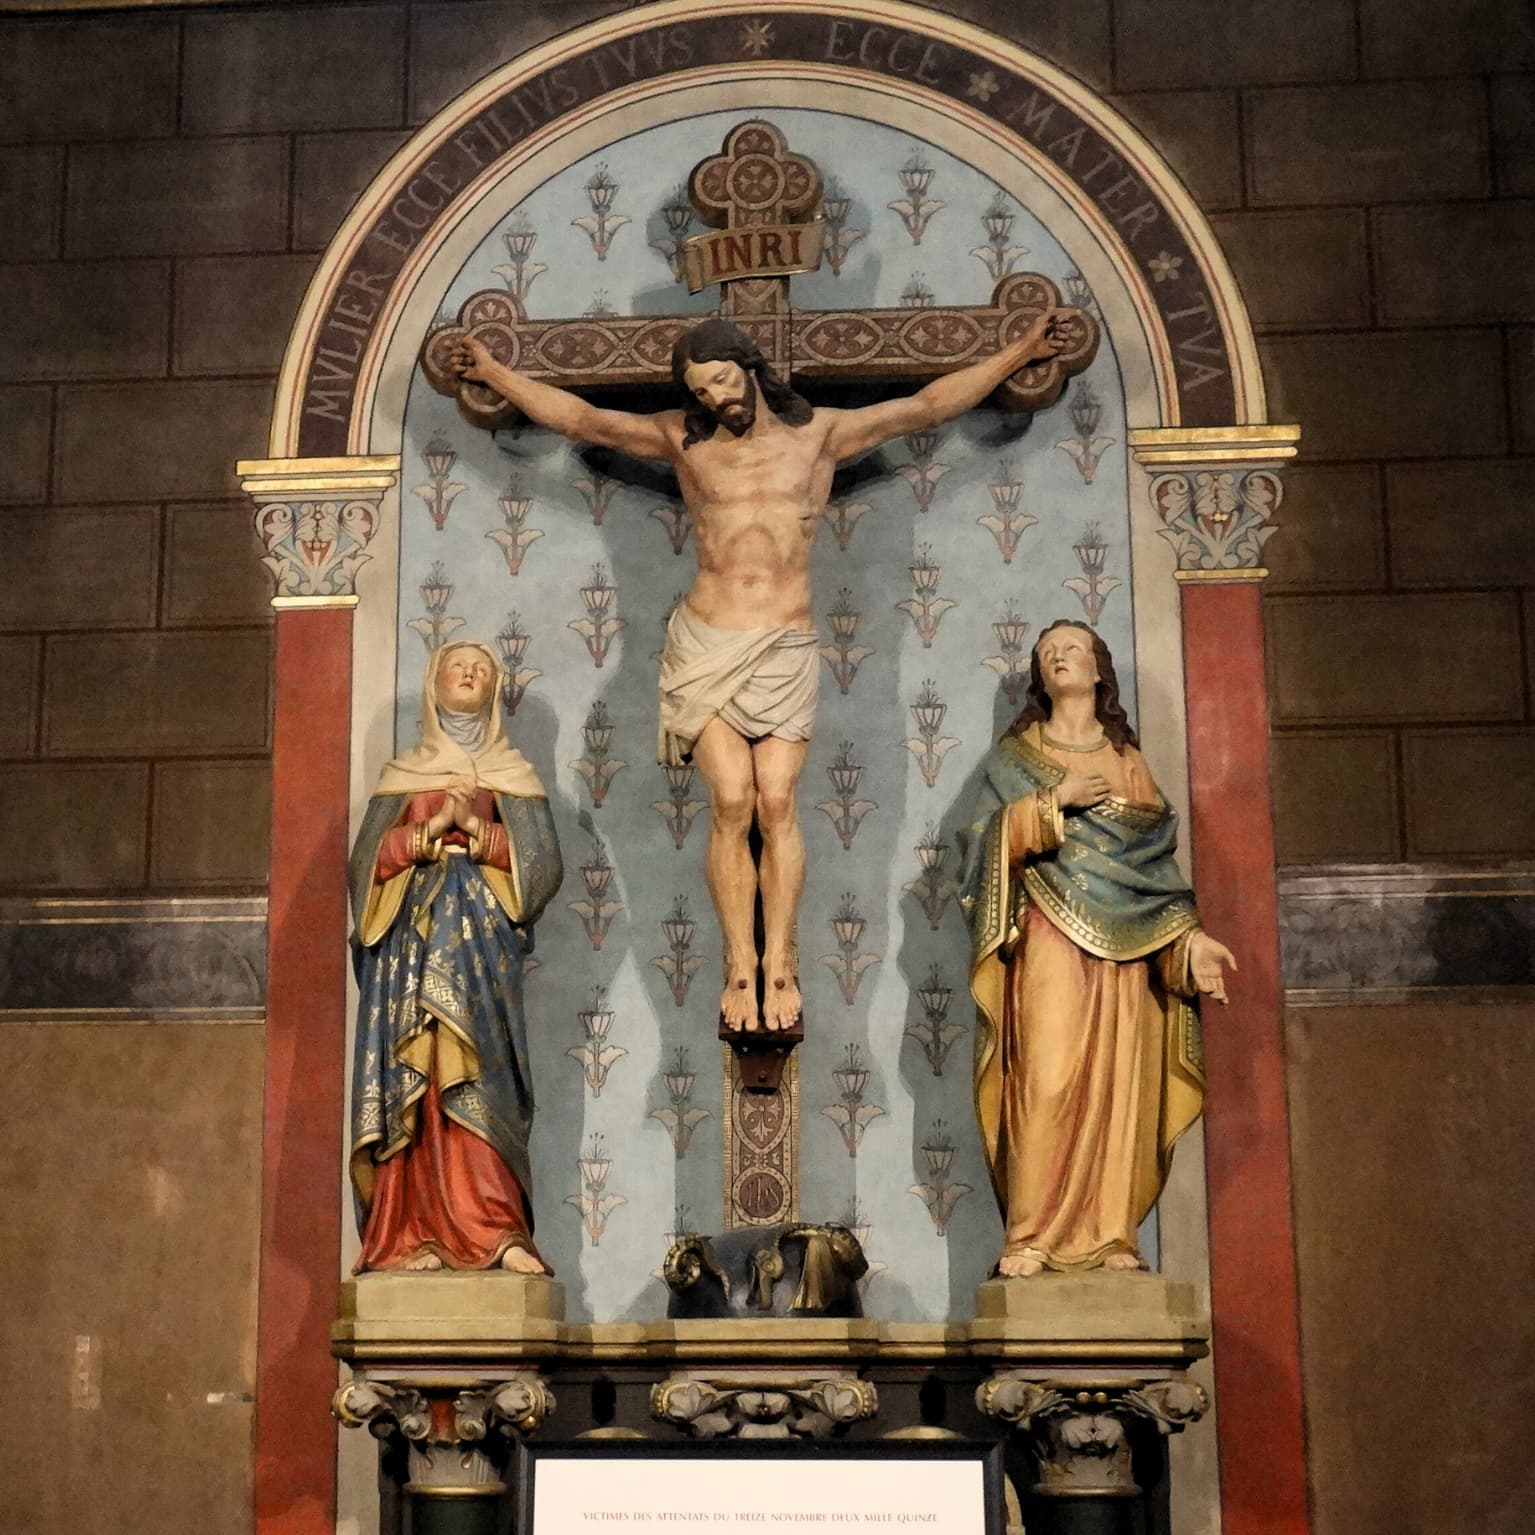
314,548
518,1405
770,1407
1217,519
1080,1432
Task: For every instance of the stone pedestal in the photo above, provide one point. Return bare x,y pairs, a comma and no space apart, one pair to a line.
458,1413
442,1313
1072,1370
1079,1421
1095,1305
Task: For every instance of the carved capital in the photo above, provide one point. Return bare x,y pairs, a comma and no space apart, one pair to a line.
769,1406
452,1448
517,1406
383,1410
315,519
1079,1433
1215,491
1170,1404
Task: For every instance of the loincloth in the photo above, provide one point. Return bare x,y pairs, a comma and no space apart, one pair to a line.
761,682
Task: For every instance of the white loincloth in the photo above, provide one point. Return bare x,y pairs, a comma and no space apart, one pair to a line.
761,682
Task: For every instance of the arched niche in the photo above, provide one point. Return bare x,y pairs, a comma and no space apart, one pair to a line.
1192,400
1007,109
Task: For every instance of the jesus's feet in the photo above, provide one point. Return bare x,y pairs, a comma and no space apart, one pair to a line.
738,1001
781,1004
422,1263
1123,1261
518,1260
1018,1266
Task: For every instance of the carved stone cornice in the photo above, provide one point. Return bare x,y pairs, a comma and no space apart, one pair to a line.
1215,491
768,1405
1079,1430
315,518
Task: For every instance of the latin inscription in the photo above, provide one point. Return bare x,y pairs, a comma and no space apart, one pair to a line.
924,63
494,133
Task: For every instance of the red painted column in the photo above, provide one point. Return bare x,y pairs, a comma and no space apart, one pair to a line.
1247,1144
305,1066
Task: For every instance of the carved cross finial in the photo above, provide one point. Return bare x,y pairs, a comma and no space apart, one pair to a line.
754,180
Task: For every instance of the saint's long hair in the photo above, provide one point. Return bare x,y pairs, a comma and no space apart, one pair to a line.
718,340
1106,704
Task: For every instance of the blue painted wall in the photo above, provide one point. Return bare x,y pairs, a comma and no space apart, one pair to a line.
931,1246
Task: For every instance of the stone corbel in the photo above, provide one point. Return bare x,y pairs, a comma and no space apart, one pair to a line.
315,518
1215,491
1079,1432
448,1434
764,1406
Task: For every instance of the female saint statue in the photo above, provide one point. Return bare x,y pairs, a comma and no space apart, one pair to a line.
455,860
1086,960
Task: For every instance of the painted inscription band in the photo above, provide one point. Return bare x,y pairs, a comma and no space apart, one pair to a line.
1019,106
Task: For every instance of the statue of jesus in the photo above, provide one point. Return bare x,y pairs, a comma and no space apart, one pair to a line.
740,666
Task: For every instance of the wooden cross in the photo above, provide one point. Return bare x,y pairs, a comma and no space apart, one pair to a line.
756,186
755,181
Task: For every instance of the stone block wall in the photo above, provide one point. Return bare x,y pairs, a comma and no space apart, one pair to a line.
168,178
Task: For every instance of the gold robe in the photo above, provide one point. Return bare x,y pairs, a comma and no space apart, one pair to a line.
1087,1067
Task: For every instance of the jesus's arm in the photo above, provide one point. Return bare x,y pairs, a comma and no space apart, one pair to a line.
854,432
560,410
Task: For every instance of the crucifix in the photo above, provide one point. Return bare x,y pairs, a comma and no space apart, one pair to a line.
755,461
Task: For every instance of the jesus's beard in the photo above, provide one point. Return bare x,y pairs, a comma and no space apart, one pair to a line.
737,416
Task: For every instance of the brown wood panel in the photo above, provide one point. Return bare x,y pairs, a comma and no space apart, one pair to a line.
1450,264
20,664
98,319
1427,37
1513,134
106,811
131,1222
1461,524
87,78
171,694
26,428
1410,1130
233,313
1299,271
177,197
91,569
31,202
211,822
1449,818
141,442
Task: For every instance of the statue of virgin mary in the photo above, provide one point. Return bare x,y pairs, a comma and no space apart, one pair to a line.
455,860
